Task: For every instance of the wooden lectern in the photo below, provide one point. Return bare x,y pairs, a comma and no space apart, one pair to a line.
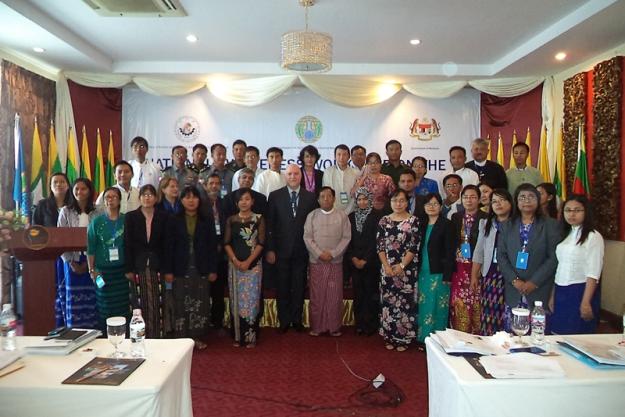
38,274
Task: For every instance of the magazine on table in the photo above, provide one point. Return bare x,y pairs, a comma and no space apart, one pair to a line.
601,352
65,343
454,341
104,371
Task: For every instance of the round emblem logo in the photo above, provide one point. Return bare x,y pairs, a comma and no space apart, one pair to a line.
309,129
187,129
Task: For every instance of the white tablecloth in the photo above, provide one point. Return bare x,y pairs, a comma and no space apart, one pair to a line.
456,389
161,386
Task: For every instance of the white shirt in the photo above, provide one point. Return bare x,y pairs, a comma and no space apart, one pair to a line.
269,181
576,262
342,181
144,173
468,177
235,178
129,201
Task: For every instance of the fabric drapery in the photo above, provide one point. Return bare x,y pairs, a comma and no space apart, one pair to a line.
349,92
253,91
437,89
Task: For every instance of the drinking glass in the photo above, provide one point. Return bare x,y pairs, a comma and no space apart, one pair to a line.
116,332
520,322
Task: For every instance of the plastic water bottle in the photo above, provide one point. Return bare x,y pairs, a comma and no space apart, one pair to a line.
137,334
8,327
538,323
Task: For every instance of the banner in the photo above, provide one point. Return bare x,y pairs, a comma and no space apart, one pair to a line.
425,127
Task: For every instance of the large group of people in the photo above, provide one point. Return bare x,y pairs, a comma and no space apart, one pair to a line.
421,255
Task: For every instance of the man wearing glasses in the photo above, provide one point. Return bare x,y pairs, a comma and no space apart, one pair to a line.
179,169
452,184
457,158
145,171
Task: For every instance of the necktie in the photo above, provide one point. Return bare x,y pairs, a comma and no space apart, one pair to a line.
294,202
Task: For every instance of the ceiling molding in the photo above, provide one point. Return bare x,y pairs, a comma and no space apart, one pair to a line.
31,64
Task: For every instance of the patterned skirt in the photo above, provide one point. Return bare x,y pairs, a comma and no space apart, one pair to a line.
113,298
464,303
493,305
78,300
147,294
433,303
192,305
399,308
245,296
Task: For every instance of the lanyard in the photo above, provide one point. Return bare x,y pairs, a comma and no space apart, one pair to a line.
112,224
524,234
310,181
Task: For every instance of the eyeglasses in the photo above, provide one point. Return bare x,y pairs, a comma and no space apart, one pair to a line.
449,186
150,195
577,210
139,147
469,197
433,204
497,201
180,155
398,200
418,166
527,198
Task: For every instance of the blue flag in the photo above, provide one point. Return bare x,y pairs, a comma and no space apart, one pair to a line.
20,184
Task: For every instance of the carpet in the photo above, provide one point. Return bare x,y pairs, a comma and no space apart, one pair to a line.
295,374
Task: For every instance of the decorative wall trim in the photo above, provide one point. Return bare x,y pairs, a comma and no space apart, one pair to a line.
574,113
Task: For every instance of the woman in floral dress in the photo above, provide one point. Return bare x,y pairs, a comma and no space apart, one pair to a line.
398,241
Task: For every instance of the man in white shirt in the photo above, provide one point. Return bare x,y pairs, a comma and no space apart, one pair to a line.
359,157
458,157
341,178
252,157
147,172
272,179
130,194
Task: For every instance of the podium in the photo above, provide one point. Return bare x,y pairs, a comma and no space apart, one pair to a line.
38,273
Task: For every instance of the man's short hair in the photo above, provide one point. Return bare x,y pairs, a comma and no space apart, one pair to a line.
214,175
480,141
392,142
408,172
356,147
252,148
139,140
239,142
200,146
521,145
246,170
342,146
173,150
215,146
122,162
275,149
458,148
452,176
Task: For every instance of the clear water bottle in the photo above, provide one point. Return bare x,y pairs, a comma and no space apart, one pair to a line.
137,334
538,323
8,327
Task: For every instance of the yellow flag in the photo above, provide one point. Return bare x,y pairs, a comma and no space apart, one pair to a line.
543,156
500,157
514,140
73,163
528,142
99,183
85,166
110,162
489,157
54,162
559,179
36,164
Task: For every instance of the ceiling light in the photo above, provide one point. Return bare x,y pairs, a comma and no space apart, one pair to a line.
39,49
306,51
561,56
191,38
415,41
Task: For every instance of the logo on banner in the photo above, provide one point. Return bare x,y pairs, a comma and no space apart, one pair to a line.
187,129
309,129
425,129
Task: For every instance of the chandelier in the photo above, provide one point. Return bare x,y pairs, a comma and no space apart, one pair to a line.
306,51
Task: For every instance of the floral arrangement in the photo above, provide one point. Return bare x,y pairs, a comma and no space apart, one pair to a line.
10,222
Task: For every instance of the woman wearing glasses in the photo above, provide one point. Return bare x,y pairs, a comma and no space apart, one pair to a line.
574,301
465,300
526,251
398,241
381,186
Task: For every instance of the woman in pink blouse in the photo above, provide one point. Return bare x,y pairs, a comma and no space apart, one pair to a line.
381,186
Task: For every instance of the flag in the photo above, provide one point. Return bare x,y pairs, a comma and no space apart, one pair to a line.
20,183
73,164
528,142
37,175
85,165
543,156
512,163
580,183
99,183
500,150
489,157
110,162
54,162
558,176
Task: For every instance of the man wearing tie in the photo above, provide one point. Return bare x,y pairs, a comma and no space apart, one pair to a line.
287,211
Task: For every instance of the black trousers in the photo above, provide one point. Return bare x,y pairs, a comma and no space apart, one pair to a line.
292,273
217,293
366,284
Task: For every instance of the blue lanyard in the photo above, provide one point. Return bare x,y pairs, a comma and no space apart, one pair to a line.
113,226
524,234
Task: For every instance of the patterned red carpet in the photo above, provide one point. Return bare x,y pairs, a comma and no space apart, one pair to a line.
298,375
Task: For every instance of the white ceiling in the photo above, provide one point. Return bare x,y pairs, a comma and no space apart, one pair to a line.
481,38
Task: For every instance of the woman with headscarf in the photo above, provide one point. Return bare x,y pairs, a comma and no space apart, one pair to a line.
364,263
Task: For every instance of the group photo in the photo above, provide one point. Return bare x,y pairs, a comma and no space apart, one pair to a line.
344,231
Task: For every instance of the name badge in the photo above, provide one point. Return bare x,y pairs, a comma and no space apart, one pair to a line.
99,281
521,260
344,198
465,249
495,256
218,229
113,254
224,192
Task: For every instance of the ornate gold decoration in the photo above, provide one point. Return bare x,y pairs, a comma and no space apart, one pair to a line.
606,144
574,114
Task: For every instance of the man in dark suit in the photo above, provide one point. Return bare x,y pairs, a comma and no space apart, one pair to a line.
408,183
286,215
486,170
246,179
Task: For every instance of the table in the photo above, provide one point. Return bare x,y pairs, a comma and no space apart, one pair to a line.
456,389
161,386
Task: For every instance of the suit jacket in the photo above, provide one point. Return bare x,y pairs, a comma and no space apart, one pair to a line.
206,210
138,251
441,247
318,181
492,172
204,245
230,205
544,236
285,232
457,219
46,213
485,247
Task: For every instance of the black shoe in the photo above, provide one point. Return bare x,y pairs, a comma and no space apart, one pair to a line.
283,329
360,332
298,327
